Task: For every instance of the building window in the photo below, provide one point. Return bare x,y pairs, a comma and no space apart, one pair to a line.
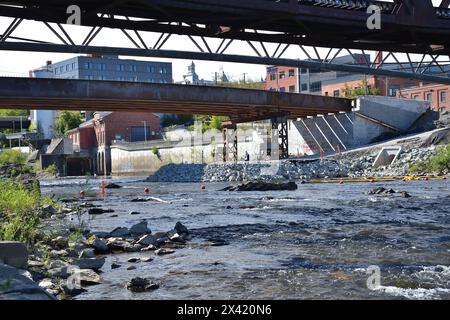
120,67
282,89
336,93
292,89
61,69
68,67
326,94
429,97
304,87
140,133
291,73
393,90
316,86
73,66
87,65
416,97
151,69
282,75
133,68
303,70
443,96
273,76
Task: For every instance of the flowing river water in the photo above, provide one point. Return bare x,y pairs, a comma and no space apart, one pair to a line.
314,243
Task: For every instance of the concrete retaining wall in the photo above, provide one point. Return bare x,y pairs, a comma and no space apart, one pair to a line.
375,116
398,113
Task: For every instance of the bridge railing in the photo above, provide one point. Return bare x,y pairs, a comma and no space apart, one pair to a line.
359,5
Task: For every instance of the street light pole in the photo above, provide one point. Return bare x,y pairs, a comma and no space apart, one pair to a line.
145,130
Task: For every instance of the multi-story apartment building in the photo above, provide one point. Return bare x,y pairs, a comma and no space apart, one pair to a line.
437,94
94,67
110,68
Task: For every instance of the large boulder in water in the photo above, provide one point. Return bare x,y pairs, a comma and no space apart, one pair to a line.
113,186
263,186
140,229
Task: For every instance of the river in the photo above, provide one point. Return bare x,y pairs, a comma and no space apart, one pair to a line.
313,243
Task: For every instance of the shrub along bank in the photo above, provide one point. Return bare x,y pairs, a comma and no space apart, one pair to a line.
438,164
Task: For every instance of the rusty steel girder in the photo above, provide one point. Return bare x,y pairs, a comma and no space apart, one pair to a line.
413,26
62,94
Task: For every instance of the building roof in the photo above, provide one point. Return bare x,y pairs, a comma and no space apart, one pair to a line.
427,87
103,114
86,124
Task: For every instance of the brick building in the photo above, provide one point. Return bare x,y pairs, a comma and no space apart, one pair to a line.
283,79
83,138
94,138
437,94
385,86
131,127
333,83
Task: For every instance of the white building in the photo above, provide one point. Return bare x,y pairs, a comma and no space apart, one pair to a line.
43,120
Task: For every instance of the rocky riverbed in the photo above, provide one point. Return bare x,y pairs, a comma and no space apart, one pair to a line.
353,165
186,242
69,262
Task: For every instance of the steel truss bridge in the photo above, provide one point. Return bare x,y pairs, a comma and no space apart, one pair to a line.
413,42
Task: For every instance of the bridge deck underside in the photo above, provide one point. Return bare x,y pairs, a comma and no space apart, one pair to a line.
410,27
241,105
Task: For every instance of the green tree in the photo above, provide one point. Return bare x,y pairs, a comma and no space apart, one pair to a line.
363,89
169,120
14,113
248,84
66,121
216,122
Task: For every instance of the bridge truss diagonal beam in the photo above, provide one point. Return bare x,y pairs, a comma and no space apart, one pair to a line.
294,33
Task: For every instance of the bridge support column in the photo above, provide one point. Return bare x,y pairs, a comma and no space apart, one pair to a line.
280,135
230,143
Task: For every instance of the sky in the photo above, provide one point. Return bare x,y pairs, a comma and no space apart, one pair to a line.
14,63
20,63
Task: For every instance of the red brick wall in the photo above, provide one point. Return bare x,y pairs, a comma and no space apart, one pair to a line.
374,82
331,88
83,137
279,78
87,138
422,93
120,123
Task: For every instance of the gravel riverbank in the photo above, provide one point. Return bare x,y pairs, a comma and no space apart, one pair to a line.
351,165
